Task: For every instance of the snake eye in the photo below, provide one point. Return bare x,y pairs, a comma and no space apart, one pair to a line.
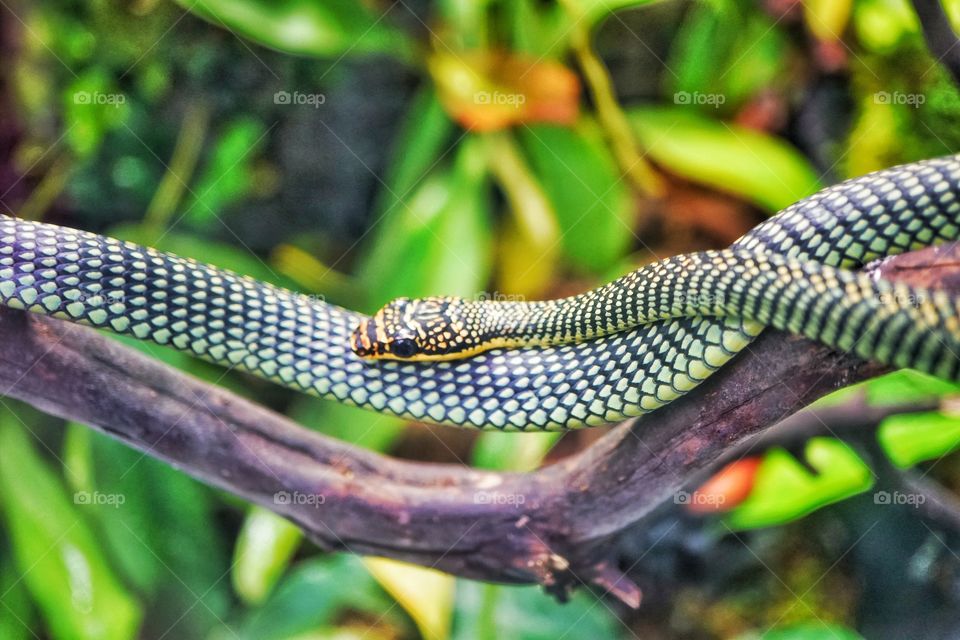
403,347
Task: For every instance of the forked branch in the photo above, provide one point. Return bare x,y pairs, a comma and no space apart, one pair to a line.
553,526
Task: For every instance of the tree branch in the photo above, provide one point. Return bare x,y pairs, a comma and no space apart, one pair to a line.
940,37
553,526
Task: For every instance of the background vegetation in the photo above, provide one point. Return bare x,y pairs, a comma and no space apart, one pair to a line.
363,150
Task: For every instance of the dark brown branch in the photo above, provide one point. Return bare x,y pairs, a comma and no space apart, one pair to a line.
941,39
551,527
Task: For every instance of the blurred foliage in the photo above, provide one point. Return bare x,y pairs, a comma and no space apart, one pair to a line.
362,150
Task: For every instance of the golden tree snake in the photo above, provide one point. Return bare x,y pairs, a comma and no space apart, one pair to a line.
618,351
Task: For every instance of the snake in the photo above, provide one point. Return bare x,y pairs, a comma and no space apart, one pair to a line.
811,250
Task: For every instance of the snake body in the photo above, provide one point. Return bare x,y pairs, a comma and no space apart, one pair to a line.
304,344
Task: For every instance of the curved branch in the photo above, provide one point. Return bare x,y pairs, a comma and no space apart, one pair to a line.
941,39
552,526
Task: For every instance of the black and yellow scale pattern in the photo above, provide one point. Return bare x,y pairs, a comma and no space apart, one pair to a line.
305,344
851,311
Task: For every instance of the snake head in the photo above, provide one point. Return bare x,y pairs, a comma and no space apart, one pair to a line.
435,328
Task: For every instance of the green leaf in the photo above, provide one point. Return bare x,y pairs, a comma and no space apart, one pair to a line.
806,631
419,146
161,532
785,490
122,527
227,175
361,427
326,29
225,256
582,180
502,451
538,28
61,562
724,53
489,612
17,616
910,438
313,595
760,168
907,387
92,107
593,11
265,546
882,25
439,242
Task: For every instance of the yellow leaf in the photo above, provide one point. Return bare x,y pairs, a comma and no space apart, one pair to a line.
426,594
827,19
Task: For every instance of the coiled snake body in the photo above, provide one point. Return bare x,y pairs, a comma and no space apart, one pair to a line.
306,344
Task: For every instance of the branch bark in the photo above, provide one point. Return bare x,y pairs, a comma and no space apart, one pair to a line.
553,526
941,39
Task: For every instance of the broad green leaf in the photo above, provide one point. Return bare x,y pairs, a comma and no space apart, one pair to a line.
538,28
92,107
594,11
225,256
55,552
368,429
910,438
326,29
506,452
881,25
159,527
264,548
426,594
437,242
17,616
312,596
490,612
121,517
760,168
806,631
466,21
724,54
907,386
593,204
418,148
875,138
227,175
785,490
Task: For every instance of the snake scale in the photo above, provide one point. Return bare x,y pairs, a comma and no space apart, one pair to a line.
305,344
